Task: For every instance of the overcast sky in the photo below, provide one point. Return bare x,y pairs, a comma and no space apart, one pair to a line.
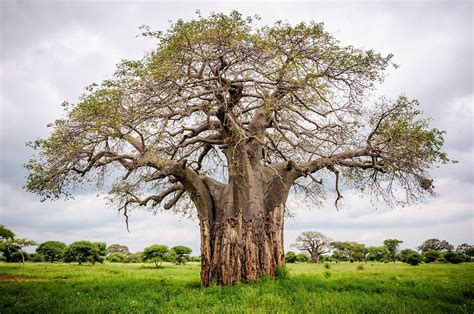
51,50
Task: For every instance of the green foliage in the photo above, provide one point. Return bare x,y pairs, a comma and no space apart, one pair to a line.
392,246
435,244
12,249
360,267
432,256
290,257
116,257
5,233
404,254
303,258
455,258
117,248
182,254
414,258
466,249
35,258
327,266
85,252
282,272
134,258
378,253
156,253
51,251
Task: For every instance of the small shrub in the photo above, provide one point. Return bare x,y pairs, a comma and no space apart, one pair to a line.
290,257
303,258
431,256
327,266
360,267
414,259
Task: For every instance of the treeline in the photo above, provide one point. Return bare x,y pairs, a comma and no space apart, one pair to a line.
12,250
316,247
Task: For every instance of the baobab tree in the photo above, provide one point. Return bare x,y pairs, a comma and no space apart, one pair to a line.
313,242
227,116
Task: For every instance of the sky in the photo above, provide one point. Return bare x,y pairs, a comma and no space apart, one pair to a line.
51,50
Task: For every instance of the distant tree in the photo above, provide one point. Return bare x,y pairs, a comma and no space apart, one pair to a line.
12,249
392,246
314,243
414,258
156,253
35,258
347,249
432,256
325,258
466,249
435,244
6,233
377,254
454,257
51,251
182,254
303,257
290,257
134,258
85,251
116,257
404,254
359,252
117,248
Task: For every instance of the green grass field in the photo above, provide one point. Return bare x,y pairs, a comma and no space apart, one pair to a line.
343,288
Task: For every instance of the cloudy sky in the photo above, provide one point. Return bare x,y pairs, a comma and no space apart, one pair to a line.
51,50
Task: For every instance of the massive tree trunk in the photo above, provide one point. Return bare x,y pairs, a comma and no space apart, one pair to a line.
242,234
241,249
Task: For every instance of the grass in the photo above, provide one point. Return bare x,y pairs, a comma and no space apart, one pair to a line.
137,288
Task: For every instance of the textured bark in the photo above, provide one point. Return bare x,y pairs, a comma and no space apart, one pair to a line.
241,250
242,236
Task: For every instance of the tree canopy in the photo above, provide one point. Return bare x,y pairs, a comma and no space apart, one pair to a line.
51,251
292,92
435,244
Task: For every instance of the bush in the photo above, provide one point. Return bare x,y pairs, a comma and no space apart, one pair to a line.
360,267
302,258
134,258
117,257
327,266
290,257
431,256
35,258
454,258
414,258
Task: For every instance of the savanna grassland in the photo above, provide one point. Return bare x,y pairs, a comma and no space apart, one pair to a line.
337,288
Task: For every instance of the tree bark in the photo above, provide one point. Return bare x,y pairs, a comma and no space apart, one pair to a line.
238,249
242,235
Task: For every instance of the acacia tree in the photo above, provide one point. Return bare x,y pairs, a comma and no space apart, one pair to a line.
392,246
229,116
313,242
